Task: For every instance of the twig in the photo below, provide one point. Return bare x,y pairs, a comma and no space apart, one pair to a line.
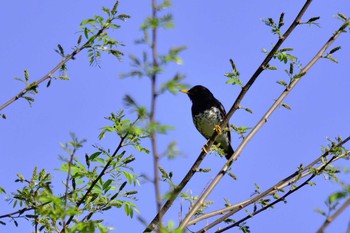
235,106
323,166
272,190
331,218
81,201
21,211
58,66
153,113
291,179
70,162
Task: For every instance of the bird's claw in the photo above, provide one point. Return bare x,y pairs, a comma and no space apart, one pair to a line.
218,129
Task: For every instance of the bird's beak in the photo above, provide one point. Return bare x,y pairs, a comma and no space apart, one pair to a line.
185,91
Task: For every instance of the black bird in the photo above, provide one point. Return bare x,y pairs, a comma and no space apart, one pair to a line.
207,113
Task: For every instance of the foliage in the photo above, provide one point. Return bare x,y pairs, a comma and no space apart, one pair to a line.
94,186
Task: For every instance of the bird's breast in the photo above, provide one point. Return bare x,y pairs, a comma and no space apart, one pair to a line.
205,121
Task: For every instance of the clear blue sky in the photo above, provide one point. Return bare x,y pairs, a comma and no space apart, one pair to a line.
214,33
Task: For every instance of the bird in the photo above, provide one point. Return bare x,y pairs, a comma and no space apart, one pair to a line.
207,114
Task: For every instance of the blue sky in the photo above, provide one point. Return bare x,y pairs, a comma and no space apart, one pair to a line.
213,33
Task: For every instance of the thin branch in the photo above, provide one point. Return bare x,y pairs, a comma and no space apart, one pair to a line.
82,200
331,218
70,162
291,179
279,199
59,65
21,211
235,106
232,209
154,47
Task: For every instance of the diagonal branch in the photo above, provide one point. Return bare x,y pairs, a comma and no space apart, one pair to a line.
234,107
263,120
331,218
67,58
320,169
291,179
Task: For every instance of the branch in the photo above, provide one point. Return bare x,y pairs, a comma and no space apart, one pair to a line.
271,191
67,58
81,201
331,218
153,112
21,211
234,107
70,162
322,167
291,179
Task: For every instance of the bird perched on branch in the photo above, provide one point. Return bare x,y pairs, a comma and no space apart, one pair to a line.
207,113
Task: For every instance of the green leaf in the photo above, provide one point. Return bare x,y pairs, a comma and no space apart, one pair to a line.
61,50
313,19
282,82
87,21
335,49
342,16
321,212
106,10
123,17
286,106
271,67
332,58
107,185
129,177
233,176
281,20
114,8
337,196
26,75
63,77
29,99
174,84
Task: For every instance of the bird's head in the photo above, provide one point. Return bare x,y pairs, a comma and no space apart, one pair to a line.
198,93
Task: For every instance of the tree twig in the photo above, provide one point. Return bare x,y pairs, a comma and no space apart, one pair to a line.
331,218
59,65
322,167
291,179
94,182
232,209
70,162
154,95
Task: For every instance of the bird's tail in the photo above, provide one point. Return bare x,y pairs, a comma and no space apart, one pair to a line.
229,152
